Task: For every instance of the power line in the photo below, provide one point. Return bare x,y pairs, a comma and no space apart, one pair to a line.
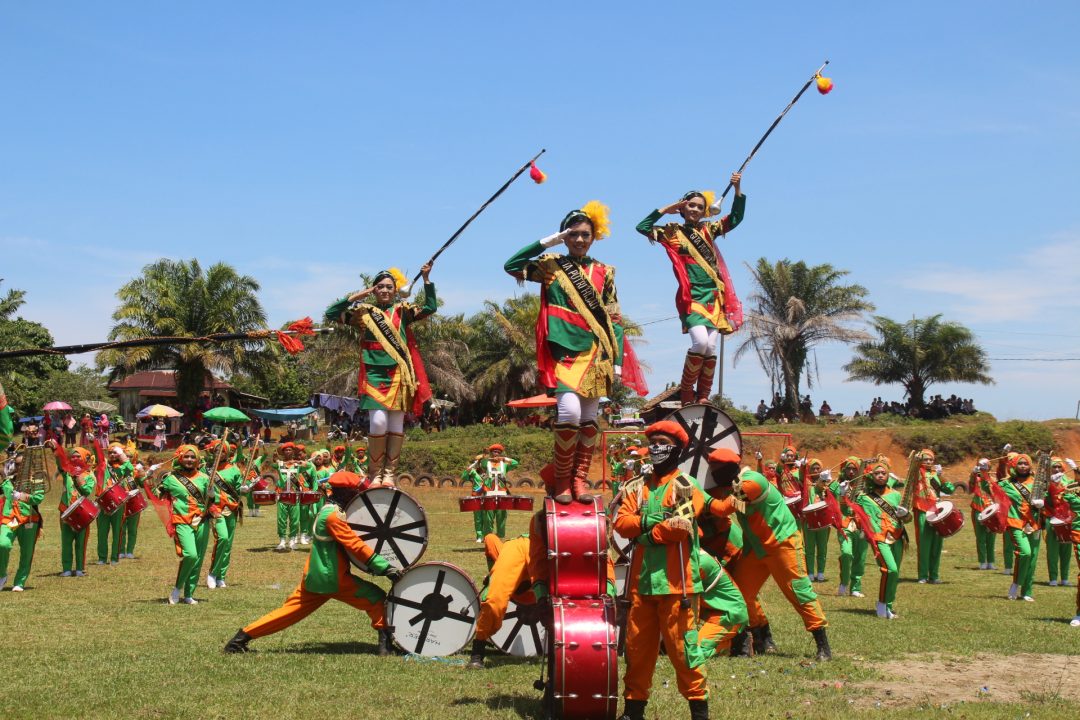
1073,359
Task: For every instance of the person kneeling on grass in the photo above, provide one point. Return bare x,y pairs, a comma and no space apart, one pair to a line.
327,575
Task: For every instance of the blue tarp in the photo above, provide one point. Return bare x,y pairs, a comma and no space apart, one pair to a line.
283,415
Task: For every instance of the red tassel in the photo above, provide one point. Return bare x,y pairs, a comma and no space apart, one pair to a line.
292,345
536,174
302,327
824,85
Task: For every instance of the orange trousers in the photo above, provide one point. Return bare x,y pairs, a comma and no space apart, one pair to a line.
651,618
787,566
510,568
304,602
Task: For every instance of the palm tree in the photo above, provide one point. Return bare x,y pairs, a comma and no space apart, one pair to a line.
177,298
795,307
917,354
503,365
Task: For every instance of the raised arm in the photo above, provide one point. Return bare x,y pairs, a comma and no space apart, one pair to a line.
520,265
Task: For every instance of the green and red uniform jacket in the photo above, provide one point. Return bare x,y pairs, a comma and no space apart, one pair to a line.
229,477
703,290
485,482
788,479
926,494
327,569
766,522
7,421
881,523
301,472
75,486
185,506
573,344
666,559
1071,499
374,353
1020,511
980,495
19,512
834,488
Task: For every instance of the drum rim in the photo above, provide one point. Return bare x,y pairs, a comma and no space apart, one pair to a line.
816,506
989,511
936,516
551,519
427,532
475,602
74,505
706,484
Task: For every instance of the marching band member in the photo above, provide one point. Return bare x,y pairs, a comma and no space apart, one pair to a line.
349,459
1025,523
507,579
815,541
579,346
848,538
1008,550
882,516
481,518
326,574
77,478
1070,509
114,469
230,485
290,471
928,488
979,483
392,376
187,487
661,517
497,466
319,472
723,613
20,521
705,297
1058,553
772,546
129,526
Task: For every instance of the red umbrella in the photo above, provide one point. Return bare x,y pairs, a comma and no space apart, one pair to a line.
57,405
535,401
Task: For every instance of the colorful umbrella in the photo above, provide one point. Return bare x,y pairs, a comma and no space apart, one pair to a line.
532,402
98,406
56,405
158,411
225,414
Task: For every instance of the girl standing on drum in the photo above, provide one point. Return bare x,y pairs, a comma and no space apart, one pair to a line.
705,298
882,508
579,339
77,478
392,377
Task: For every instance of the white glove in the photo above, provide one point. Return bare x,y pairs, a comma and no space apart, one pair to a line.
1038,503
844,485
1071,463
826,475
1007,448
155,466
757,455
901,512
618,371
20,496
984,464
551,240
245,489
937,468
1057,477
800,462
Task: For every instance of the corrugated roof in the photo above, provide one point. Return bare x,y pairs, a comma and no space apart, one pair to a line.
160,380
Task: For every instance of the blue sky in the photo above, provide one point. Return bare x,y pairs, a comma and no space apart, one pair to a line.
306,144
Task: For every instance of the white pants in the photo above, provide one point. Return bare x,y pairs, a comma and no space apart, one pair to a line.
703,340
575,409
384,421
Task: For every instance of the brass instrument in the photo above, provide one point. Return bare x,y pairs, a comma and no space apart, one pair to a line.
31,469
1042,476
910,480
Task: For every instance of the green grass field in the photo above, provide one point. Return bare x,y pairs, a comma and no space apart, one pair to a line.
108,646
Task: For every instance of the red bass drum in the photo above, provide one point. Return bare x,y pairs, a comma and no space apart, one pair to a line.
584,659
577,548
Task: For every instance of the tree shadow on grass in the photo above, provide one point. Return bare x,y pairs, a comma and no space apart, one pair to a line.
330,648
855,611
469,550
525,707
1062,620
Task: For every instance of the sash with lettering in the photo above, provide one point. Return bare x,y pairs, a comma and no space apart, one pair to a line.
709,259
409,364
891,512
1032,510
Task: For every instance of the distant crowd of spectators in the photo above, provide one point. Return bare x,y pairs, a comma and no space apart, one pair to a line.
936,408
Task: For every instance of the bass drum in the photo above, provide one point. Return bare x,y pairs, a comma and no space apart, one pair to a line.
577,548
709,429
392,523
433,609
584,659
522,633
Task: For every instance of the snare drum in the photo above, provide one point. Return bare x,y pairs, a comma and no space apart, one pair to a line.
473,503
577,548
521,502
260,485
112,499
820,515
310,497
264,497
584,658
432,608
794,504
136,503
1062,529
80,514
945,519
392,522
289,497
993,519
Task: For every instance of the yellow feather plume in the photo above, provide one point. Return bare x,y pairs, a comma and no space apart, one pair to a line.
598,214
399,277
710,198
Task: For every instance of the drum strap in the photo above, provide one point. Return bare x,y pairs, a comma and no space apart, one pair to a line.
233,494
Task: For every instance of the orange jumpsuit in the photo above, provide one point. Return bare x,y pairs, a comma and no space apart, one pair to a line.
508,580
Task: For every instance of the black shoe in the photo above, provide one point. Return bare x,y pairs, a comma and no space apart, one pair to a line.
740,644
699,710
763,642
479,650
239,643
634,710
386,644
824,652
